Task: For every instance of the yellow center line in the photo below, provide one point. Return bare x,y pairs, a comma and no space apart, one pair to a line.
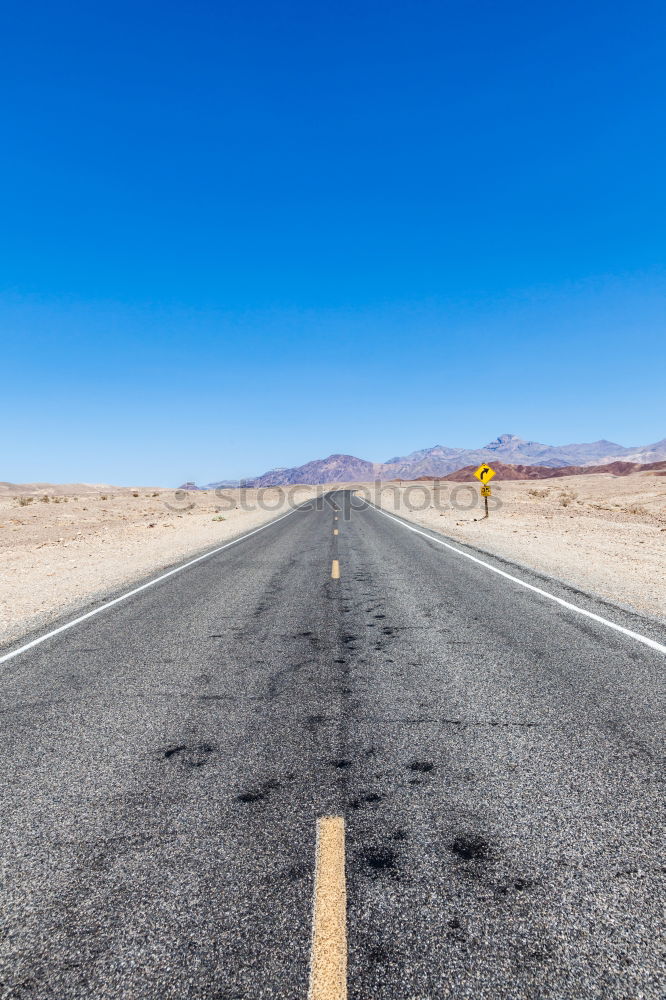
335,570
328,957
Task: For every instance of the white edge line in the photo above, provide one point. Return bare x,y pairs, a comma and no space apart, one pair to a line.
652,643
144,586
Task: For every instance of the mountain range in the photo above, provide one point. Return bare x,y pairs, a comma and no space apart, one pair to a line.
442,461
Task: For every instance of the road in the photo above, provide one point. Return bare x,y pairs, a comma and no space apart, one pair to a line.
496,759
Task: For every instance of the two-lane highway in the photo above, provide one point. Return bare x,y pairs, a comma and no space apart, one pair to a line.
491,762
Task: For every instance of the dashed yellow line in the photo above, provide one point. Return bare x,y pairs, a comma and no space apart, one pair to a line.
335,570
328,958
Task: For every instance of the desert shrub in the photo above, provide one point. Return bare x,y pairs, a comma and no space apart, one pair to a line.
45,499
219,518
24,501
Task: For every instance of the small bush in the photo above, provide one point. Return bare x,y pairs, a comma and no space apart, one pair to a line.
219,518
45,499
24,501
135,494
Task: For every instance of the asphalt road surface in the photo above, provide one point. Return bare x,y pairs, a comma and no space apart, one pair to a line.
496,759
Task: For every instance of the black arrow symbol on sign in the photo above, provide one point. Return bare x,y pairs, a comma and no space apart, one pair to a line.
484,471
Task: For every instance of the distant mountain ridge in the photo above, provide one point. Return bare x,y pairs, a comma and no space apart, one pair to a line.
334,469
440,461
508,448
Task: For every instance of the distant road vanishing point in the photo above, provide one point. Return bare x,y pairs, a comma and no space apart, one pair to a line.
337,756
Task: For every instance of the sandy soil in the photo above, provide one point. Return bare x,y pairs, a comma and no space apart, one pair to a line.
602,533
61,546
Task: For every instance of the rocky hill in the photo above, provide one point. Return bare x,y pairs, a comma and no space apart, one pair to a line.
513,472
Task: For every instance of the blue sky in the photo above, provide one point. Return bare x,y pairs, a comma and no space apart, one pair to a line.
239,235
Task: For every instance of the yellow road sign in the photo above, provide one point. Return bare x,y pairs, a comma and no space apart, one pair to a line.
486,491
484,473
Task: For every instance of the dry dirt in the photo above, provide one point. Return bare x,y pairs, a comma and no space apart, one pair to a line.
604,534
85,541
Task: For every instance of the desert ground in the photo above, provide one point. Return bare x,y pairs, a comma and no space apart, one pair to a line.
65,546
604,534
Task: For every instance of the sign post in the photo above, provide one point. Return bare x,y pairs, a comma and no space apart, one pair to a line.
485,493
484,474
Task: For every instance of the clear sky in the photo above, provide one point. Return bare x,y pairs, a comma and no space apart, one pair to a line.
243,234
